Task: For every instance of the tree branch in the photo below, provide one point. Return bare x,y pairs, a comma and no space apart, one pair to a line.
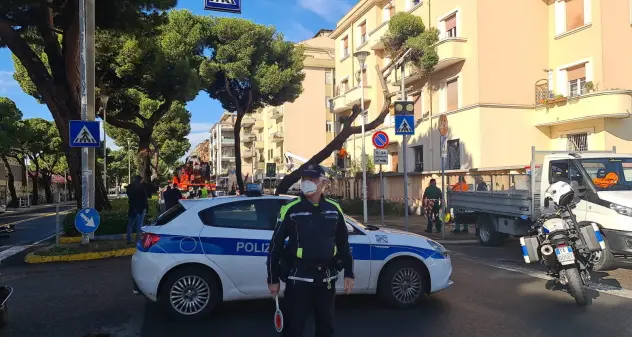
229,91
51,44
160,112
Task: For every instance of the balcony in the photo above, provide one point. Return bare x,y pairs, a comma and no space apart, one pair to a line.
259,145
553,109
259,125
278,160
375,36
261,165
227,126
229,157
248,137
353,96
246,154
338,104
411,73
277,136
247,121
276,113
451,51
228,141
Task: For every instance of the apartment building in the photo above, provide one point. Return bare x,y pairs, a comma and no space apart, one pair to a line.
222,145
546,73
302,127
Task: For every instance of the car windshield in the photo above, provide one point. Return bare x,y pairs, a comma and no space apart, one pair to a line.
354,222
609,174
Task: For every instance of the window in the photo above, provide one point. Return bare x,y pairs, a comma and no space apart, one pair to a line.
576,80
344,84
270,154
417,102
248,214
364,78
329,77
410,4
345,47
454,155
577,142
450,26
329,126
169,215
574,14
419,158
394,162
328,103
391,11
362,32
452,94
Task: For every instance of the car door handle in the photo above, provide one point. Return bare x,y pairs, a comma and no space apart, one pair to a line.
381,246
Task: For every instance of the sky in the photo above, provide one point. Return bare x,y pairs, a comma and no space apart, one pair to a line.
297,19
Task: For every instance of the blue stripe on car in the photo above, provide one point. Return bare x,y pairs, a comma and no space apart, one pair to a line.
176,244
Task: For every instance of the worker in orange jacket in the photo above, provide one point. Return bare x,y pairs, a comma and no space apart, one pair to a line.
460,186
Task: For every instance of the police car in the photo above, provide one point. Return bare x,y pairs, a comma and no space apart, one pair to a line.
202,252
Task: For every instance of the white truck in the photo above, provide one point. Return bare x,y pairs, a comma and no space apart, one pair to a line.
602,180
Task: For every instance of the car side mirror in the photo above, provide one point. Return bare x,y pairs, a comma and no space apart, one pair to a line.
575,186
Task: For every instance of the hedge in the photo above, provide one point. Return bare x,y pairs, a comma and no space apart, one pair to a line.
113,221
354,207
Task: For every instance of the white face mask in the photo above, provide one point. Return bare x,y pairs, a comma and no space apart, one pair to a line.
308,187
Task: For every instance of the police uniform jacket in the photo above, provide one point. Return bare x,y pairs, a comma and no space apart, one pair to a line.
318,236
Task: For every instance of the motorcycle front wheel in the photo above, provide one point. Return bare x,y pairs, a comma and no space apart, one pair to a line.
576,286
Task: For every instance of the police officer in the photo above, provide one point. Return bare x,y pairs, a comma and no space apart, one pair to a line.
317,249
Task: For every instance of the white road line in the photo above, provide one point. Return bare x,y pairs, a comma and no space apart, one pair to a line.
18,249
600,287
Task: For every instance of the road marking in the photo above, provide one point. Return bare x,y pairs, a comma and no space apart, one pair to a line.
18,249
600,287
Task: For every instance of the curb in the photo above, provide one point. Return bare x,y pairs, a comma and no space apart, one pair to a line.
32,258
77,239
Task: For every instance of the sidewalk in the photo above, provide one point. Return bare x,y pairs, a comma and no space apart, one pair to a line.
20,210
417,224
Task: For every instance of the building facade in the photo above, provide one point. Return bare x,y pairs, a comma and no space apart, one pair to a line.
302,127
222,145
555,77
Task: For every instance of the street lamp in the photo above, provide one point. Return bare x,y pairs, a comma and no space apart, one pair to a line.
361,56
104,105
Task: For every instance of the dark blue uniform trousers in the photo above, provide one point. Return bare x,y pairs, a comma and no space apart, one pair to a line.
303,298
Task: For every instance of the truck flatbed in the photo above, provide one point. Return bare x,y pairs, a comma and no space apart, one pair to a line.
511,203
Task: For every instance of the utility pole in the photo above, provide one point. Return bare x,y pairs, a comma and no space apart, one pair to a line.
129,164
104,105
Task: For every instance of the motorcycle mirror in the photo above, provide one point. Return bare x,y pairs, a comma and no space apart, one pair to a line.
546,202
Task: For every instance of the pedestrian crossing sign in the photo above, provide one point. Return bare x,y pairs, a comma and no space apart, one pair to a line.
404,124
85,134
230,6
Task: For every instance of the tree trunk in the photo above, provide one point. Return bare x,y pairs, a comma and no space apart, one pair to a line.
35,183
10,182
46,181
144,157
237,133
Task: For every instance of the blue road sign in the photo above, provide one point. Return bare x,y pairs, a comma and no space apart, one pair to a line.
404,124
85,134
87,220
380,139
231,6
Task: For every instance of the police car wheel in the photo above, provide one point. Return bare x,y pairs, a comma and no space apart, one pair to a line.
402,284
189,293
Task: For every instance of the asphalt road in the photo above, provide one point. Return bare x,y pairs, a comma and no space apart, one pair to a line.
94,299
31,226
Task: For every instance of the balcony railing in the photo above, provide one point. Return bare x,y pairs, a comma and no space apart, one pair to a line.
259,125
277,136
228,141
247,137
451,51
247,121
354,95
276,113
246,153
259,145
261,165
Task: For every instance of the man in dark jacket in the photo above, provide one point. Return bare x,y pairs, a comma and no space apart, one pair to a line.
317,249
432,199
137,195
171,197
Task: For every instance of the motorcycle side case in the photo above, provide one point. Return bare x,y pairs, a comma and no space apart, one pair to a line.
530,246
592,235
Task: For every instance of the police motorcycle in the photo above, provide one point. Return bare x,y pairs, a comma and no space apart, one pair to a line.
568,249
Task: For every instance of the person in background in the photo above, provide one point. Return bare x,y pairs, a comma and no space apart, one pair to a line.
460,186
204,192
432,205
137,202
172,196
